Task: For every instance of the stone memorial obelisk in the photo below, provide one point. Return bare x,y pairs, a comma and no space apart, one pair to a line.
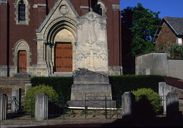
91,85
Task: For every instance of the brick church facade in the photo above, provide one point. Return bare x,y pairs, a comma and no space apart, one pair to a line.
41,37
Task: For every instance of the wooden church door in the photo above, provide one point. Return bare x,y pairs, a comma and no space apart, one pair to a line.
22,61
63,57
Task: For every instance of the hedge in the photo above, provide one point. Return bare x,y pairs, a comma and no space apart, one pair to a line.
62,85
120,84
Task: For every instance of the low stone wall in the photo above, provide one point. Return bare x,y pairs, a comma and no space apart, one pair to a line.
159,64
152,64
34,70
175,68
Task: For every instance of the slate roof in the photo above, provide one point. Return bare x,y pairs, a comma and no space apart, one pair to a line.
176,24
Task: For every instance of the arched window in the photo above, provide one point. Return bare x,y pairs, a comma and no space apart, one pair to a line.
22,56
21,11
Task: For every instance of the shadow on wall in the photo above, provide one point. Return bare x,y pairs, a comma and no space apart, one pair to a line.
128,60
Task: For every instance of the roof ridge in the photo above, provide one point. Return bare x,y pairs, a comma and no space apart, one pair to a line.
176,23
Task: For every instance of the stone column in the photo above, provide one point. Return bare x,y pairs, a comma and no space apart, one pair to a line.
172,105
41,63
40,52
16,100
3,107
41,107
128,100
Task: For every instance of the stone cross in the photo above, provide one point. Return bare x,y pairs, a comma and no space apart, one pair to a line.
41,107
3,107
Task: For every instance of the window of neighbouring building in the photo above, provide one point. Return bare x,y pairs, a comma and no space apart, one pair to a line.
179,41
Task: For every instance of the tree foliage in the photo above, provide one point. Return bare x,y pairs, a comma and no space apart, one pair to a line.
176,51
143,27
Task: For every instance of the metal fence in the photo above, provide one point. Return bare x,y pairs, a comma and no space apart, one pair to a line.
14,104
61,110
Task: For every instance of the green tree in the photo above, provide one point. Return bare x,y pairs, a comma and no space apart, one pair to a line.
144,23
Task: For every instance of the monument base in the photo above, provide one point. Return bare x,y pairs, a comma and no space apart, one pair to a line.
92,90
92,104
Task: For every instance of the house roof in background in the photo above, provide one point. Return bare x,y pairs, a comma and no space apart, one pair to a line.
176,24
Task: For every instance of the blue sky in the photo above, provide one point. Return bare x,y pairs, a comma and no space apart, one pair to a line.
172,8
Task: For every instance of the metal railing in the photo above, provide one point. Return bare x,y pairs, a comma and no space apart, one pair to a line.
60,110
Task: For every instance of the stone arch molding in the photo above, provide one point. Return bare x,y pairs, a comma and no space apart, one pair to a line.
58,25
56,16
22,45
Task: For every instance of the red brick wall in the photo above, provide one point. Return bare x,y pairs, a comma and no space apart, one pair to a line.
26,32
50,3
37,16
3,34
166,35
113,34
78,3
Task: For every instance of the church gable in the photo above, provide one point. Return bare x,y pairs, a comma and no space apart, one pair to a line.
63,9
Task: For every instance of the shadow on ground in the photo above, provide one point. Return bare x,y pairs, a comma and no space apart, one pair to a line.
127,122
142,115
